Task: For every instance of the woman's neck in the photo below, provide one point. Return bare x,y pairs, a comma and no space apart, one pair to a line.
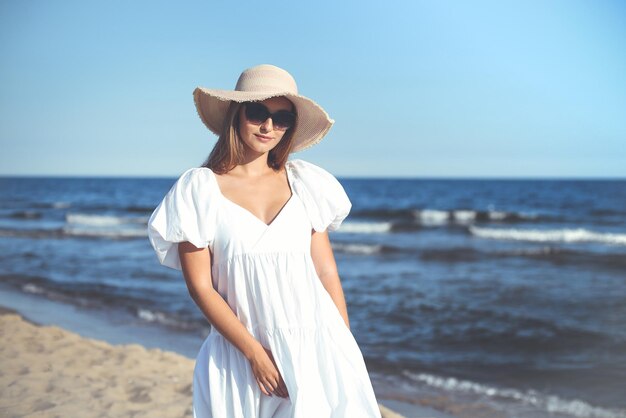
253,165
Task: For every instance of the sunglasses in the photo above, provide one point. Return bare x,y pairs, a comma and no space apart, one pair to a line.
257,113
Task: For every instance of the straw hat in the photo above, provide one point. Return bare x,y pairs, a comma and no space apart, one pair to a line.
259,83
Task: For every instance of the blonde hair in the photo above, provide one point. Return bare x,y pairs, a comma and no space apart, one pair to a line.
229,150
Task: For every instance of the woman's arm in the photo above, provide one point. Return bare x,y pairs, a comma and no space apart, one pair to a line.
326,268
196,266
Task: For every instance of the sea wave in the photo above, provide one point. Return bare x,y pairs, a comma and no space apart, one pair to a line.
434,217
407,220
549,235
614,261
32,233
105,226
52,205
140,209
166,319
60,205
104,233
365,227
369,249
32,288
550,403
26,214
69,231
358,248
103,220
431,217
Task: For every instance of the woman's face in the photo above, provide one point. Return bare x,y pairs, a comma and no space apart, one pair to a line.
263,137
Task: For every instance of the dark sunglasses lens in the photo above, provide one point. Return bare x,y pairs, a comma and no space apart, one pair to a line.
283,119
256,113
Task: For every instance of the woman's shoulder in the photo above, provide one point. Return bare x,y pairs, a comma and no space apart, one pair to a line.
323,195
308,170
195,175
194,182
186,213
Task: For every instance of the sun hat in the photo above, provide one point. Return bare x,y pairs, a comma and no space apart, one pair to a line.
259,83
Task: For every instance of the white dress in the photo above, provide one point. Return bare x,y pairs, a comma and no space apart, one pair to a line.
266,275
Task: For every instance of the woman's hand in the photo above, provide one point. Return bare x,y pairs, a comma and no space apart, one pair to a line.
266,373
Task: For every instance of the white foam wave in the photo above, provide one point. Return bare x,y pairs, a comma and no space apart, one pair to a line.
358,248
102,220
529,215
31,288
550,403
150,316
434,217
107,226
106,233
60,205
431,217
365,227
464,216
158,317
550,235
496,215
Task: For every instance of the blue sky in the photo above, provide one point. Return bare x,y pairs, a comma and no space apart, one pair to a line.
427,89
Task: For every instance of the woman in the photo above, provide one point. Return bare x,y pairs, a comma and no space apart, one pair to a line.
249,230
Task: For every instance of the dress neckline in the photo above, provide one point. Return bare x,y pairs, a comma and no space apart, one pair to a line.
259,220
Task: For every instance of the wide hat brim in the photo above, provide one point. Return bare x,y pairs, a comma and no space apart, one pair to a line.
312,123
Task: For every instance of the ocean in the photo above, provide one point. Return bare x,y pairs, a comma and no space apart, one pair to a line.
501,296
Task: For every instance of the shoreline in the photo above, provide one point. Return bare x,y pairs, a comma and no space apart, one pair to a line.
51,370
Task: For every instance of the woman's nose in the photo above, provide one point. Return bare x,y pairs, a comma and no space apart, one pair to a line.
268,125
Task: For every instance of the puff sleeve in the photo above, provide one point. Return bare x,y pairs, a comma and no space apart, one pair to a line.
324,198
186,213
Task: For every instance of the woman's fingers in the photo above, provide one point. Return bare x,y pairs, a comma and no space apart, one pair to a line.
272,385
267,387
279,391
268,376
262,387
282,387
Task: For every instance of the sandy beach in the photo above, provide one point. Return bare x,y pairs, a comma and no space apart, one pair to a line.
47,371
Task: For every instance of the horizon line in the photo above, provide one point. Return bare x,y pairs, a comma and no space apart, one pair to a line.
345,177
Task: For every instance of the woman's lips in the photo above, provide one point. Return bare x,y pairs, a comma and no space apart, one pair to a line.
263,138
